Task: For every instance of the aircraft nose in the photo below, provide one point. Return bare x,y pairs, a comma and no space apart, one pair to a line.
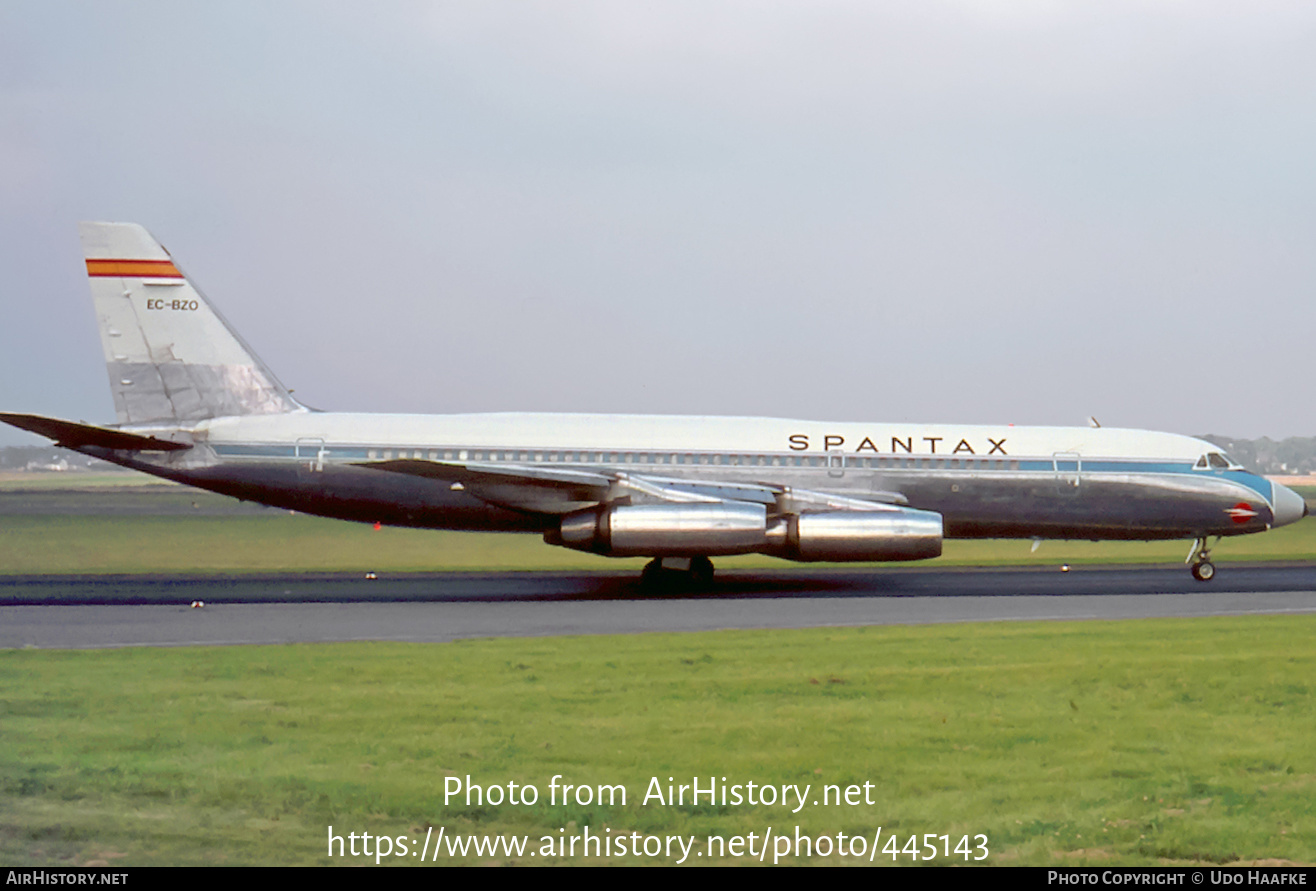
1289,506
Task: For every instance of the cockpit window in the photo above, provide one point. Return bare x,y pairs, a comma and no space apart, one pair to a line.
1218,461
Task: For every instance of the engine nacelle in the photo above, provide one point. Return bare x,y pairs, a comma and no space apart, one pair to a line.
666,530
852,536
721,528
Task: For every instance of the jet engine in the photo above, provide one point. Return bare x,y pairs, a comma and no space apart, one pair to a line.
668,530
720,528
850,536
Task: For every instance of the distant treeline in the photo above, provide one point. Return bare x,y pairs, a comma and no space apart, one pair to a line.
1295,455
46,457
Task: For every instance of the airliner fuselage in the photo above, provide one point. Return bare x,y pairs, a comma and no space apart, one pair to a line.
1004,482
196,405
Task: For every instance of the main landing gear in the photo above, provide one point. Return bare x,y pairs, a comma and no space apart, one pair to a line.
694,573
1200,556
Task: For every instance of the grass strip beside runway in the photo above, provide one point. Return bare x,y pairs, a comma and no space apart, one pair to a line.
1155,741
172,529
278,542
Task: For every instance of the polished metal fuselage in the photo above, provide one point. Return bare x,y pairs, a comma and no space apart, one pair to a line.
1063,494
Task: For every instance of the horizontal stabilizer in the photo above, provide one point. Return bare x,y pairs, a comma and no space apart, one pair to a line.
72,435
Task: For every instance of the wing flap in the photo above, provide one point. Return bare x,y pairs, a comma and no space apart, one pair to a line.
482,472
543,490
559,490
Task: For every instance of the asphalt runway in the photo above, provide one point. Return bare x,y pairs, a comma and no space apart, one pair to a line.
99,611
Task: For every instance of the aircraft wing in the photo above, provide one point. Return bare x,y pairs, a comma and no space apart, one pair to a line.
560,490
548,490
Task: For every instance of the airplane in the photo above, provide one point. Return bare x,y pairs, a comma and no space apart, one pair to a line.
195,405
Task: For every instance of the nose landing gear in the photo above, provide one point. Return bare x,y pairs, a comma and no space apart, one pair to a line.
1200,557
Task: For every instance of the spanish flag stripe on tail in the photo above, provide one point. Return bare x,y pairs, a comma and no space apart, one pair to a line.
133,268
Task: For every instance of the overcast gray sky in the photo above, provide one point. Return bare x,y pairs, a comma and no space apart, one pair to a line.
987,212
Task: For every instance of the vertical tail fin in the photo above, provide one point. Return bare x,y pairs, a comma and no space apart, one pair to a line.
171,356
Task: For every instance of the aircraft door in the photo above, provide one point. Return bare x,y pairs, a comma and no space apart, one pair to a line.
310,452
1068,468
835,464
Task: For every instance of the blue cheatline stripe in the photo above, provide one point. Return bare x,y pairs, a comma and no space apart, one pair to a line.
1261,486
346,452
256,451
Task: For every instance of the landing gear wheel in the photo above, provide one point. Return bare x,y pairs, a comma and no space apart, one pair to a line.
693,574
701,572
1204,571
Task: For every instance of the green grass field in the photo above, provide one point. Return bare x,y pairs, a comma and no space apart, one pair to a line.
1161,741
14,481
147,529
1097,743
